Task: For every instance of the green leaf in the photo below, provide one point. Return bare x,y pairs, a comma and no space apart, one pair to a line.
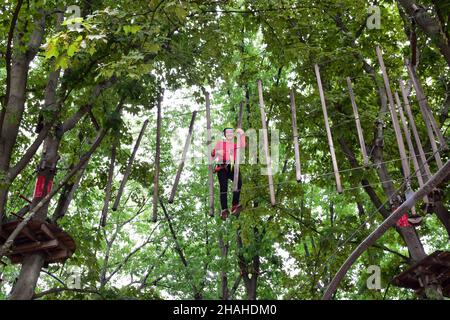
152,47
131,29
74,46
52,49
62,62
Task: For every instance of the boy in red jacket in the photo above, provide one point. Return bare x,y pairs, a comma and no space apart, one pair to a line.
225,153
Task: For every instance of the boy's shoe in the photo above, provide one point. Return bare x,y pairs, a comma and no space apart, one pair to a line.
235,209
224,214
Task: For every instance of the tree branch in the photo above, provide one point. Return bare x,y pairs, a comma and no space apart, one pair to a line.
58,290
70,123
429,25
8,55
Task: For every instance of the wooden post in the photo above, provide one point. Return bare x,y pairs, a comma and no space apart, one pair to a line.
406,169
266,143
183,158
415,132
398,134
238,150
412,153
426,116
108,187
157,161
129,166
298,172
327,127
358,123
210,164
423,102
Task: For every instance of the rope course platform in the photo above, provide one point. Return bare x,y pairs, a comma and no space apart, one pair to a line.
435,268
56,244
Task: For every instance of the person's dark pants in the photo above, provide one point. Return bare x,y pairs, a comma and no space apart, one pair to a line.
224,175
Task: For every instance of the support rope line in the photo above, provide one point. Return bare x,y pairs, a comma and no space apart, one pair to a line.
316,177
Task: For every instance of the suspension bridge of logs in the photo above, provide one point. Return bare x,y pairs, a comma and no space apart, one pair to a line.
22,234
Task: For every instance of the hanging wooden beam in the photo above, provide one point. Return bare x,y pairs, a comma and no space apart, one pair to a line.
183,158
327,127
238,149
426,116
358,123
298,170
412,123
129,166
266,143
412,153
108,186
422,99
210,159
35,246
398,134
157,160
406,169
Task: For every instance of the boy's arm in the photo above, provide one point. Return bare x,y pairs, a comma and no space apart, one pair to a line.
216,151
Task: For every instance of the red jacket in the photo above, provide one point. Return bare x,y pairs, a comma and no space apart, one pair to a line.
228,148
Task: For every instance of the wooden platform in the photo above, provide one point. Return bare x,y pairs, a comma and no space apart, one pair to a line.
56,244
436,267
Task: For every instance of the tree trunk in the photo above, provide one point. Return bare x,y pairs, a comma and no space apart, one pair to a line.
16,103
26,283
32,264
11,123
441,212
223,274
249,271
429,25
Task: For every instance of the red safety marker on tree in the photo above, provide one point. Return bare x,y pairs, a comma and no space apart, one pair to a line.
39,187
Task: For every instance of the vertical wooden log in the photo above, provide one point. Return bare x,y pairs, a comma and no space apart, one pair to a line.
327,127
298,170
406,169
358,123
412,153
129,166
183,158
426,117
398,134
210,162
423,102
108,186
406,132
238,149
266,143
157,161
412,123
